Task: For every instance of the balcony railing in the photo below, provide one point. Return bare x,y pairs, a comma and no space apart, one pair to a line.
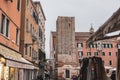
34,55
34,35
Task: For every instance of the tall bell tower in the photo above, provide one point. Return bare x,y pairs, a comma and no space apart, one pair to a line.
65,50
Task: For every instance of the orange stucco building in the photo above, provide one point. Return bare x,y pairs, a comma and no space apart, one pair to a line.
11,61
32,37
18,21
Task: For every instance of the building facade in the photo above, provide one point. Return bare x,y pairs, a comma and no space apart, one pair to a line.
106,49
12,64
65,53
32,38
41,37
22,39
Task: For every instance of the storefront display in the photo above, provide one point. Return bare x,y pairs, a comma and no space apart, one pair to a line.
6,73
12,74
1,71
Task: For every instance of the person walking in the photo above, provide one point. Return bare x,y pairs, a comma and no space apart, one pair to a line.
113,75
74,77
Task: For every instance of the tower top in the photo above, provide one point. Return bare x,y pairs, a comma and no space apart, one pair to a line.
91,29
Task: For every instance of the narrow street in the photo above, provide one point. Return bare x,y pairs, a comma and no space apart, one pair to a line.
59,40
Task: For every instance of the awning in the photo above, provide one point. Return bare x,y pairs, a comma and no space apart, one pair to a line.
14,59
19,64
23,63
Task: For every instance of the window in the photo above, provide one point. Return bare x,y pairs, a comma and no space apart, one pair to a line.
2,24
95,45
103,53
110,62
80,53
7,28
80,45
95,53
4,29
110,46
17,33
118,46
106,46
26,51
27,2
26,25
30,51
30,28
91,46
67,74
110,54
31,11
103,46
18,5
40,33
88,53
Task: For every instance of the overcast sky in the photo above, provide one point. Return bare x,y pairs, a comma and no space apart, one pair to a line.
86,12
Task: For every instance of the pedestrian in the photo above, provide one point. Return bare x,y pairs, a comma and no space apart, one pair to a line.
74,77
113,75
47,75
39,77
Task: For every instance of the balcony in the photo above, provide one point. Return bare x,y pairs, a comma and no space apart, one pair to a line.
34,55
34,36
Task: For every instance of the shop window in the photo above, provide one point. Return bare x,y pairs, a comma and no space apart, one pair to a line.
12,74
1,72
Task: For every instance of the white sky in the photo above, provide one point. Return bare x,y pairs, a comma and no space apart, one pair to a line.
84,11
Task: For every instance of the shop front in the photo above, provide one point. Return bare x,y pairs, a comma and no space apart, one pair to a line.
13,65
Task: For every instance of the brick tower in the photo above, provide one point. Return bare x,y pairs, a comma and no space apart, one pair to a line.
65,50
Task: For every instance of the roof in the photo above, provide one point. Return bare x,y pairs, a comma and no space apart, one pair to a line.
38,2
82,36
53,34
111,25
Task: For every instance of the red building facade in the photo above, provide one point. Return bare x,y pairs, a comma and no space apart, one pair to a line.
106,49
